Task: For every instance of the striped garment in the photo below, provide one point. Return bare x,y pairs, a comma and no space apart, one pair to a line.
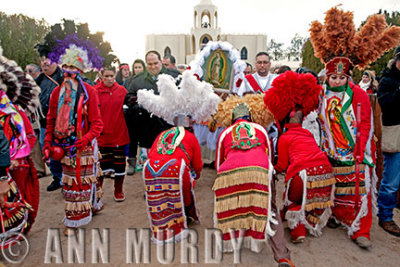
163,181
242,200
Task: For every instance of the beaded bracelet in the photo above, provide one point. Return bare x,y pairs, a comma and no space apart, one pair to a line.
3,178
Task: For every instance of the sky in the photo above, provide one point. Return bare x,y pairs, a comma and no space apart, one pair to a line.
125,23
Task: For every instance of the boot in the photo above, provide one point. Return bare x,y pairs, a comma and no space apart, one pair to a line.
298,233
118,191
131,166
363,242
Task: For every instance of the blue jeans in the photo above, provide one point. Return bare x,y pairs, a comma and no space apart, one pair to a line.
387,197
54,166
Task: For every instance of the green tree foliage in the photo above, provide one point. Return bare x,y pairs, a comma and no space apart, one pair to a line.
293,52
275,49
309,60
18,36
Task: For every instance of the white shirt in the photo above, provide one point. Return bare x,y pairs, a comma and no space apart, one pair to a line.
264,83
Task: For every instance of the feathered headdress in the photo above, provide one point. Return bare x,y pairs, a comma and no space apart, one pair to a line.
258,112
193,98
75,45
292,91
76,52
340,47
20,88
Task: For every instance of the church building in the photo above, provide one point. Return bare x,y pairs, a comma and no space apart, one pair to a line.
205,28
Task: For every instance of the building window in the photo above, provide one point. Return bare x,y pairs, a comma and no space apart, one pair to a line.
243,53
167,51
205,40
205,20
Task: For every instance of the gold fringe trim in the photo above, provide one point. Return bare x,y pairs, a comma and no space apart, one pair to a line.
99,170
89,179
85,180
313,219
318,205
347,169
169,224
241,201
16,217
165,206
99,192
246,223
12,188
86,160
241,177
78,206
349,190
322,183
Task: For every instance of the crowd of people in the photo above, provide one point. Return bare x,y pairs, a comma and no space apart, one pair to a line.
83,132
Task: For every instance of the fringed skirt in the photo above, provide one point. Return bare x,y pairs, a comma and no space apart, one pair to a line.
242,201
345,209
169,197
18,213
81,198
314,208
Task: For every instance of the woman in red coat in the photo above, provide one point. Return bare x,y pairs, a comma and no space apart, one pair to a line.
115,137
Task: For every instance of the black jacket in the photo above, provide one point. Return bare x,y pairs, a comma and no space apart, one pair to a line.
4,152
47,86
146,127
389,96
144,80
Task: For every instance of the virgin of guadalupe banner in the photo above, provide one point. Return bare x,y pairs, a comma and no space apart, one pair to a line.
217,69
219,64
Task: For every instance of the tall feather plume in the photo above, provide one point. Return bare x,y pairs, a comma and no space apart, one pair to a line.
365,39
339,31
318,41
194,98
19,87
337,37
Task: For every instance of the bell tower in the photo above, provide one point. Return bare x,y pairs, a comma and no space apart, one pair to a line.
205,26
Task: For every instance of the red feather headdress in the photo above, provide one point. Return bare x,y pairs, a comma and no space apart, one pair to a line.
292,91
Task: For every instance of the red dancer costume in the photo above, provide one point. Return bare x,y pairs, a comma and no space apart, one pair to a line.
18,97
175,158
345,113
245,188
73,123
309,179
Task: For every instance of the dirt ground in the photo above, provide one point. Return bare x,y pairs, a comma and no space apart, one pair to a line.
334,248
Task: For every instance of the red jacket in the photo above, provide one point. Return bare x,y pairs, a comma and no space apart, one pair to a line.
93,124
298,150
111,100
